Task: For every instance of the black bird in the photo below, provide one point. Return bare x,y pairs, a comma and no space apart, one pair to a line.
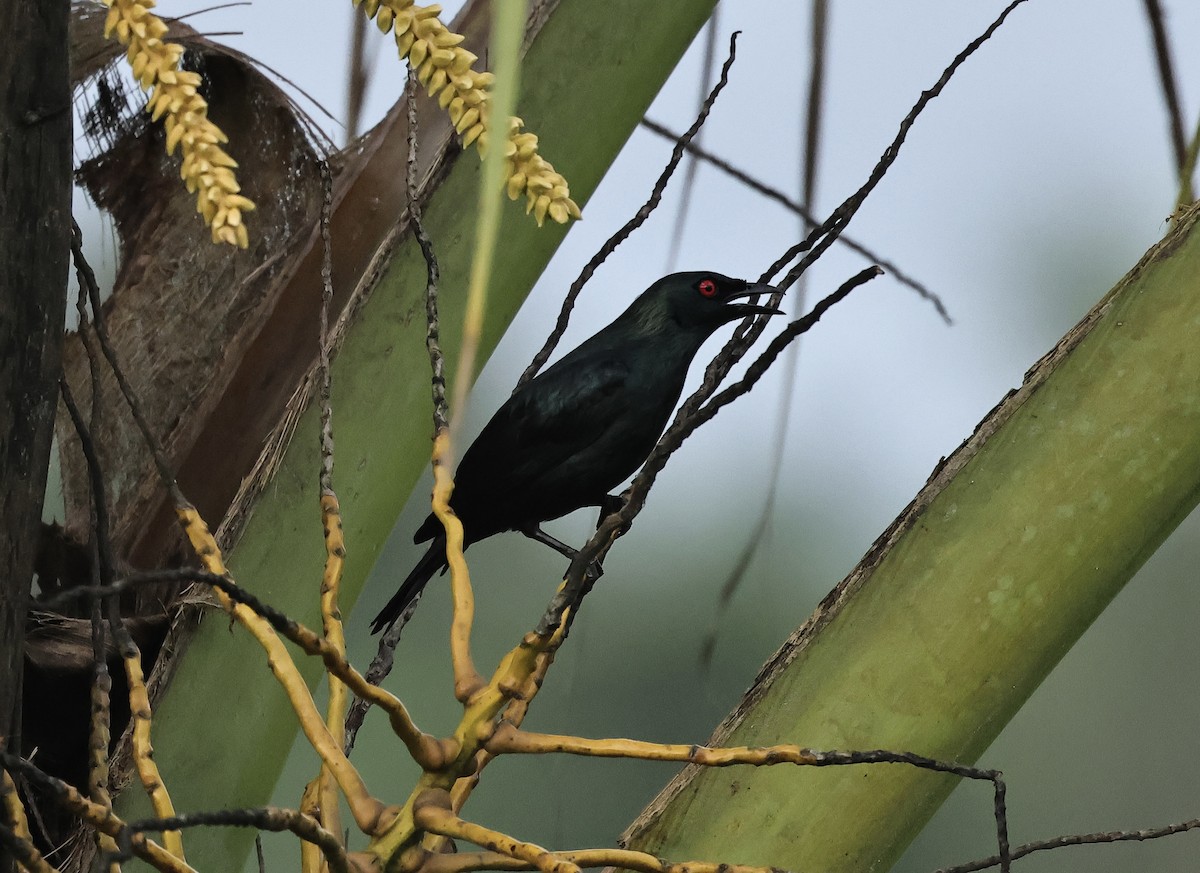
585,424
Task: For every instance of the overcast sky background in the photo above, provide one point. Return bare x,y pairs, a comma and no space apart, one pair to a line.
1024,192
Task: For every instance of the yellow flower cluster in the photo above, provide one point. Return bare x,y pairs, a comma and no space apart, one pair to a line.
207,169
445,68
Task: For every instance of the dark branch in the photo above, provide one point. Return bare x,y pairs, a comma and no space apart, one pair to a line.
325,479
1078,840
804,212
381,664
639,218
85,272
711,31
1167,80
268,818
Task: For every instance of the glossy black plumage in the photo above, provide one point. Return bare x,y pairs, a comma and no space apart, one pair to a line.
585,424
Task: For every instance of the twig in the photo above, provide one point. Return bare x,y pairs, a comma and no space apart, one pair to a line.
432,814
1167,80
85,272
326,474
356,75
93,814
139,701
827,233
167,576
267,818
1078,840
804,212
638,219
100,721
797,302
22,849
711,31
816,94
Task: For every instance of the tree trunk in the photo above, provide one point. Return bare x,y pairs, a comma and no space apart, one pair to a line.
35,190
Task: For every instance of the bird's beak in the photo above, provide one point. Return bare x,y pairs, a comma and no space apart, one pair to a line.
741,310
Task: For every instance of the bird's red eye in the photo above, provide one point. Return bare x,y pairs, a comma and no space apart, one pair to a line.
707,288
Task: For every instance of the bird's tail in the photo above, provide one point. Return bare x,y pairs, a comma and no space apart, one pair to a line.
433,560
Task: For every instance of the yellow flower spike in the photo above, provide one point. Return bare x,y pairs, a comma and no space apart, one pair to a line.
174,99
446,70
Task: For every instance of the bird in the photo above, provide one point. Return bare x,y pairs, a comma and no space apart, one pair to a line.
567,437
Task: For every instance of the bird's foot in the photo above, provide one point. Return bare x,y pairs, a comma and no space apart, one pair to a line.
536,533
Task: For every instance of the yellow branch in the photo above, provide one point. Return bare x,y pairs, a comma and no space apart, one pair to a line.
331,618
312,860
511,681
143,749
466,678
365,808
508,740
13,808
432,813
463,862
105,822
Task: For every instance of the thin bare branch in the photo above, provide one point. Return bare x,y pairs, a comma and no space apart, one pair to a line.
1079,840
356,74
804,212
324,392
711,31
267,818
639,218
1167,80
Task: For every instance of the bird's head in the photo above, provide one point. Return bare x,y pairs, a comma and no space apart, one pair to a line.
698,302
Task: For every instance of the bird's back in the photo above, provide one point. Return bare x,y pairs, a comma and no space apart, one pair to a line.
566,438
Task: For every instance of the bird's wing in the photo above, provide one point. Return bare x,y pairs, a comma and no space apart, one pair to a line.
553,418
